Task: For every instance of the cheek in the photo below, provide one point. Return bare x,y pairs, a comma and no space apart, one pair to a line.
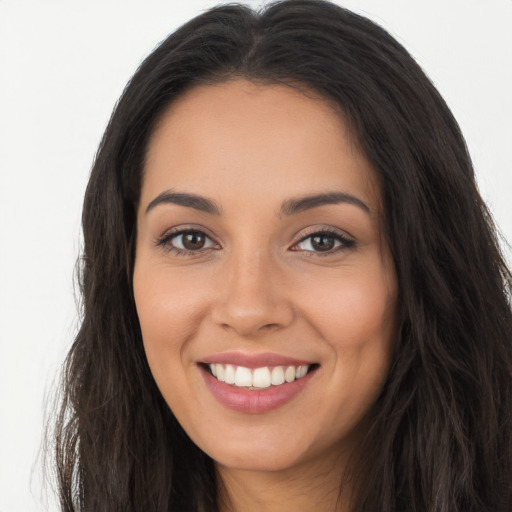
355,317
352,312
168,315
167,306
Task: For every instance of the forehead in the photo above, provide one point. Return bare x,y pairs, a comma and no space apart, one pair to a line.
260,139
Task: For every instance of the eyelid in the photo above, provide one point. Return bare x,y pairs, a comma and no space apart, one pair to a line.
165,238
346,240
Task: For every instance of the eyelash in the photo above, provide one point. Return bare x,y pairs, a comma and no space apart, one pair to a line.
165,242
344,242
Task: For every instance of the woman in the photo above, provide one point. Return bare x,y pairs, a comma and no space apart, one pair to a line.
293,294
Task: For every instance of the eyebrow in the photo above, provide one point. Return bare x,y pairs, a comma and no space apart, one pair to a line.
293,206
289,207
183,199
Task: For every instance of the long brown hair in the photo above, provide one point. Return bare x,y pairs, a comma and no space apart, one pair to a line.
441,440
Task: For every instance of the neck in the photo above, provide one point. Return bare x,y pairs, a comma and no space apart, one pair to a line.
307,486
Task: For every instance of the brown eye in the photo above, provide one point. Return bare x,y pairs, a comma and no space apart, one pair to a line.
322,242
193,241
187,242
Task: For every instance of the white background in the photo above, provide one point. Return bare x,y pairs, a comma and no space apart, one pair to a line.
62,67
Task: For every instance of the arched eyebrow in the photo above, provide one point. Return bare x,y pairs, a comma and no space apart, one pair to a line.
184,199
289,207
293,206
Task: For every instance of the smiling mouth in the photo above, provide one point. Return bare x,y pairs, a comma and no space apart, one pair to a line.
257,378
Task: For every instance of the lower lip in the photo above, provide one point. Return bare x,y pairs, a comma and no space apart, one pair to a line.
252,401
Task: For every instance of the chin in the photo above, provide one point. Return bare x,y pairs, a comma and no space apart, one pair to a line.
257,460
266,452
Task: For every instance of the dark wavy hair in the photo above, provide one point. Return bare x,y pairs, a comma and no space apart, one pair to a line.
441,438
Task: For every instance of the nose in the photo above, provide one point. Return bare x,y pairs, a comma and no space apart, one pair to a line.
252,297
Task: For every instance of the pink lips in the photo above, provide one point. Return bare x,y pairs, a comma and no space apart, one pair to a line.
254,360
254,401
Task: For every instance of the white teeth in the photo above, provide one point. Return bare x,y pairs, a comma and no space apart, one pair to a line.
243,377
277,377
259,378
229,374
301,371
289,374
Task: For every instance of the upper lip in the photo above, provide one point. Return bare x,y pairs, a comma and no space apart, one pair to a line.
254,360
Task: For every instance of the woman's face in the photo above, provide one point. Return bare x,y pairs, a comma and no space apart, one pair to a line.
259,258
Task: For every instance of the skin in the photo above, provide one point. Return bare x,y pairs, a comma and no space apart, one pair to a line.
260,286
